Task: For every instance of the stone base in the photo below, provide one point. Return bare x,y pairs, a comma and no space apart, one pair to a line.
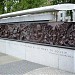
59,58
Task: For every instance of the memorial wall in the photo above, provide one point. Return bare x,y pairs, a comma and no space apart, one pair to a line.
60,34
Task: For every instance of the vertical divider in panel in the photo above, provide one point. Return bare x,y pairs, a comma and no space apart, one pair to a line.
66,60
74,61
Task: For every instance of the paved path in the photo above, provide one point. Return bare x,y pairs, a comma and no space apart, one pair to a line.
4,59
10,65
13,66
48,71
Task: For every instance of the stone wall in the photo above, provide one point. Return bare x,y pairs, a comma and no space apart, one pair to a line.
62,34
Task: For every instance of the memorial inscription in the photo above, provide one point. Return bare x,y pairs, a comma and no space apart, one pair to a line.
55,51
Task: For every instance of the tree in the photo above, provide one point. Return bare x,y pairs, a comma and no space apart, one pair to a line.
1,6
7,6
27,4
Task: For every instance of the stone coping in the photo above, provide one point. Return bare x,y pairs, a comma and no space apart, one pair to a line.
58,46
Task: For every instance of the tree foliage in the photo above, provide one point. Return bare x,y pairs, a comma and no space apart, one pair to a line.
7,6
27,4
16,5
1,6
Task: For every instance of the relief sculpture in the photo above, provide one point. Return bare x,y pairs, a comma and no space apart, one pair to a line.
46,33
